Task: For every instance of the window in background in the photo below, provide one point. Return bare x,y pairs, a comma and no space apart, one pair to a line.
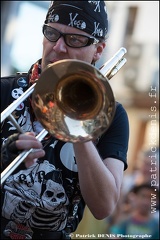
27,44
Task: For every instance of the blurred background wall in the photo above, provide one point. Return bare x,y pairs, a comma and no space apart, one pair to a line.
133,25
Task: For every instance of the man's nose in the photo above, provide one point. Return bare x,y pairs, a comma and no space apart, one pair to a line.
60,45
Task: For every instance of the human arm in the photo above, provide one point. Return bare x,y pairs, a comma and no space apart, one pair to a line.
101,167
100,181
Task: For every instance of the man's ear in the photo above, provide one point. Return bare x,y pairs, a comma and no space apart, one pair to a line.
99,51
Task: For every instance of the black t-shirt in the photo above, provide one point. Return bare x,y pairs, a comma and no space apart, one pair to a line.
47,195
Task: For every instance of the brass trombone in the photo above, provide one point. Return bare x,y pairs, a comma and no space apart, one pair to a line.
72,100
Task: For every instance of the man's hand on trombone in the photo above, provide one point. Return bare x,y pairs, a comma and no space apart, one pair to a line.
20,142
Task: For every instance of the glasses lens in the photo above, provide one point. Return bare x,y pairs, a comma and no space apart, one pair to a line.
76,40
50,33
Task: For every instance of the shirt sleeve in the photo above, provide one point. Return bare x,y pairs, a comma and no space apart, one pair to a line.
6,88
114,142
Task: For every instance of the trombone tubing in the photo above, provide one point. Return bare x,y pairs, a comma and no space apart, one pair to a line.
116,62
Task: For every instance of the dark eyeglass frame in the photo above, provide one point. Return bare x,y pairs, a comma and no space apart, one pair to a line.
91,40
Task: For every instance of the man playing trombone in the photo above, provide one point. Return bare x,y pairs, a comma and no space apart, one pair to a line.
45,196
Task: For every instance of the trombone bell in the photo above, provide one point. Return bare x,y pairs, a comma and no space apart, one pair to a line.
73,101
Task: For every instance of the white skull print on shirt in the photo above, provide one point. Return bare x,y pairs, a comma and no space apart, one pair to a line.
40,198
36,196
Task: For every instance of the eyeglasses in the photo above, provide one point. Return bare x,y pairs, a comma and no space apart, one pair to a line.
70,39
